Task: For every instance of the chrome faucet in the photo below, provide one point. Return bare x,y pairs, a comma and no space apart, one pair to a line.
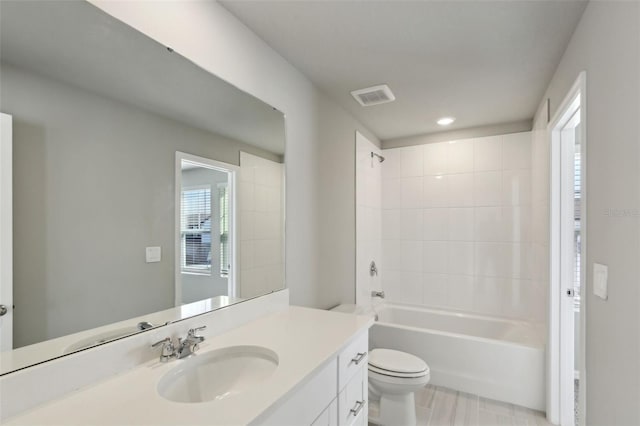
186,347
379,294
190,344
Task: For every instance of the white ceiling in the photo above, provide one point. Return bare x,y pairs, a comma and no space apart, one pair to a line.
79,44
483,62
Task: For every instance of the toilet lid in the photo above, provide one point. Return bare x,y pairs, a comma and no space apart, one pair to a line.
373,369
396,361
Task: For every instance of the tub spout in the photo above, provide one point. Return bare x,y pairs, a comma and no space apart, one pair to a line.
379,294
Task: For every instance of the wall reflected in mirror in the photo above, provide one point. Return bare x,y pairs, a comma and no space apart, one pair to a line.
99,112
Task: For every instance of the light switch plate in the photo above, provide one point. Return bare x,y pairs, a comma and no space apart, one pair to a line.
154,254
600,276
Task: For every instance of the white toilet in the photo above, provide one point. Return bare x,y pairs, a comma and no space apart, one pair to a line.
394,377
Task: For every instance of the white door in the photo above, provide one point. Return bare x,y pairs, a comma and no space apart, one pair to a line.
6,234
568,216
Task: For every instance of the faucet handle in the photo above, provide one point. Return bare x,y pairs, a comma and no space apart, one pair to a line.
168,350
192,331
162,342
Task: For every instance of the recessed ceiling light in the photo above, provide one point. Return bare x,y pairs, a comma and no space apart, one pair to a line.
445,121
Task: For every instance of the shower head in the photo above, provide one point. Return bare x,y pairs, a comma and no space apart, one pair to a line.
380,157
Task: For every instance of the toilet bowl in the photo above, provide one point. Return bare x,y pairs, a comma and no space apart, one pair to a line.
394,377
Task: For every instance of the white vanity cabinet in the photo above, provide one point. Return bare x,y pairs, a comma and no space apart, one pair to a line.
353,385
335,396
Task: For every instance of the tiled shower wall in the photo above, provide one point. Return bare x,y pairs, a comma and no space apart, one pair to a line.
261,230
457,226
368,220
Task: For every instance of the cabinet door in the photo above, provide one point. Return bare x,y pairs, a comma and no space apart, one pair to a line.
352,401
329,417
304,406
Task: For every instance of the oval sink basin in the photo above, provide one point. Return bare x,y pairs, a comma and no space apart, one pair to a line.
219,374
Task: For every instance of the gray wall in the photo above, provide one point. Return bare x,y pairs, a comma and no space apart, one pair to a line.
198,287
320,152
606,44
90,169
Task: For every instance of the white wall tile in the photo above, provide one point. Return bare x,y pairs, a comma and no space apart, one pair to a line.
435,191
460,156
435,224
460,258
467,229
411,195
390,224
391,254
435,255
247,253
488,154
391,194
411,161
487,188
411,224
403,286
434,292
491,259
517,294
489,224
411,255
391,164
459,190
267,252
518,260
246,195
516,187
461,224
489,295
516,151
435,159
391,284
461,292
364,223
517,223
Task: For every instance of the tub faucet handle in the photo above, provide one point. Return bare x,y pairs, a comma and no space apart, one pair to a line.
373,269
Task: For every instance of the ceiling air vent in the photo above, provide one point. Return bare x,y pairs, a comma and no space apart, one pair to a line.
373,95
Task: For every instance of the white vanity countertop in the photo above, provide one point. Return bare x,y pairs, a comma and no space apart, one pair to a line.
304,339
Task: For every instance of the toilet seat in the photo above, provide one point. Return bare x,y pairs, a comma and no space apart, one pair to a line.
388,362
384,372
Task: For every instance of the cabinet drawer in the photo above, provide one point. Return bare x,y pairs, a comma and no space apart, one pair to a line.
352,401
306,403
329,417
353,358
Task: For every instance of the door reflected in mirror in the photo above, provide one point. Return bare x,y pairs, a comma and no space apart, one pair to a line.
206,236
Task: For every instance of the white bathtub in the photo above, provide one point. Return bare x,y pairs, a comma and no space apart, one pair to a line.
491,357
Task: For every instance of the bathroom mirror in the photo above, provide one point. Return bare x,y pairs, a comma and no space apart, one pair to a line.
106,243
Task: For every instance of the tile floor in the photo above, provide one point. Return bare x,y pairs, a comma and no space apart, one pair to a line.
438,406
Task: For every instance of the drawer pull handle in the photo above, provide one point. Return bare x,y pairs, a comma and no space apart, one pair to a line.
357,408
358,359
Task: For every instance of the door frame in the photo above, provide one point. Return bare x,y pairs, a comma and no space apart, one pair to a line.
557,350
232,171
6,229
